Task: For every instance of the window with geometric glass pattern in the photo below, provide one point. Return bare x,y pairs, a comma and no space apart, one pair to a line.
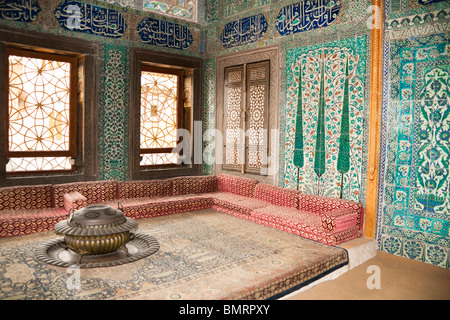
41,119
246,98
160,115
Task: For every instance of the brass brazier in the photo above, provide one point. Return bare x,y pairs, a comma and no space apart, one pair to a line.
96,230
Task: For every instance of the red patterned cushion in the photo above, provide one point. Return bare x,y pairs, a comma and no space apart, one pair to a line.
194,184
234,203
170,206
319,205
313,233
233,212
22,222
94,191
277,195
225,196
146,188
146,200
288,216
339,219
238,185
26,197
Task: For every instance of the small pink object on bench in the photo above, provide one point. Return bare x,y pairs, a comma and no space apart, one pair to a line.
74,200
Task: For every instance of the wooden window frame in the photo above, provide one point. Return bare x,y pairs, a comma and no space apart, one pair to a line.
194,67
71,152
85,150
179,120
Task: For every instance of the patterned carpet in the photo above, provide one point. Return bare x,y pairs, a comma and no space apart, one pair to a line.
203,255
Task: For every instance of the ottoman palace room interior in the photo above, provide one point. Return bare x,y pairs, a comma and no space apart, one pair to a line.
224,150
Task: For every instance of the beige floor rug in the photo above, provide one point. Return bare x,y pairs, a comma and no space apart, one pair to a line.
203,255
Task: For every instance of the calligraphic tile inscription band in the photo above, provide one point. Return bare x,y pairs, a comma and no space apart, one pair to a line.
424,2
19,10
164,34
244,31
307,15
87,18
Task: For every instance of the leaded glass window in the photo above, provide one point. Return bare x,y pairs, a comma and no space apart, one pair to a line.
41,122
161,100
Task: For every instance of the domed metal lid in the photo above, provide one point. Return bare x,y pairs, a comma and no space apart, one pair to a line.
96,215
96,219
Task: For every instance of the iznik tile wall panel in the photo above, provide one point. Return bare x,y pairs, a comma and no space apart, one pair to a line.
307,15
413,218
326,126
19,10
186,9
113,114
429,1
411,8
87,18
231,7
416,206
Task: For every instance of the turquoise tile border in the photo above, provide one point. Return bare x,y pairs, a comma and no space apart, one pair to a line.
113,113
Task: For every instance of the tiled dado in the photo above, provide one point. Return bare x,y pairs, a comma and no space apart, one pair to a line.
414,212
417,247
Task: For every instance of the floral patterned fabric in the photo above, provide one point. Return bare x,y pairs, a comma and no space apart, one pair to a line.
277,195
28,209
94,191
194,184
238,185
340,219
22,222
160,208
319,205
235,203
26,197
288,216
327,228
145,188
301,223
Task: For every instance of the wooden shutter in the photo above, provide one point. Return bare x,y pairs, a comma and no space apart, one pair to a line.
246,100
256,117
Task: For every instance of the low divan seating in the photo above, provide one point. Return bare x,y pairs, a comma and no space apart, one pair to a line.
29,209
